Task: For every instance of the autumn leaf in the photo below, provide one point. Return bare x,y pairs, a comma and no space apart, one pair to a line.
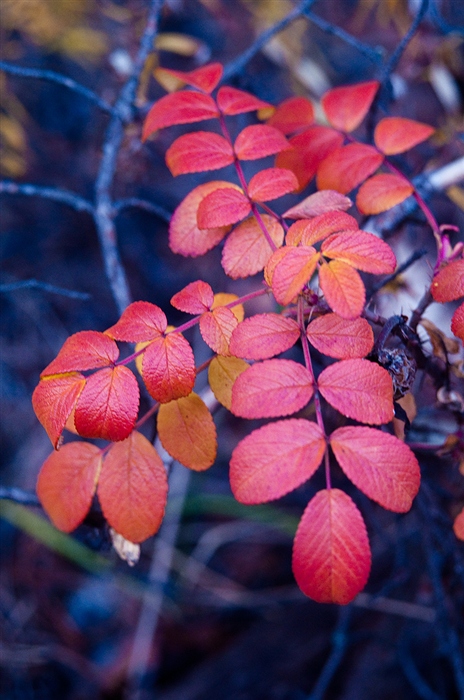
359,389
394,135
380,465
168,368
343,288
232,101
263,336
222,373
457,323
382,192
53,401
187,432
293,271
362,250
184,107
205,78
67,482
348,166
339,337
258,141
195,298
458,525
275,459
448,284
139,322
271,389
308,150
271,183
83,351
292,114
311,231
318,203
246,250
346,106
331,553
216,329
132,488
222,207
197,152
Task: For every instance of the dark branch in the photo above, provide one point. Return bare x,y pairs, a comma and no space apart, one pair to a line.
143,204
398,52
339,644
61,80
54,193
44,286
26,498
375,55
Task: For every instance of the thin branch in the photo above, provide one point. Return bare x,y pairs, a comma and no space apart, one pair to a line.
44,286
398,52
26,498
63,80
237,65
375,55
155,209
417,255
441,23
56,194
339,644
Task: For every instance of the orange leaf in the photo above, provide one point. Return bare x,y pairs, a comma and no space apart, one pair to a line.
270,389
205,78
380,465
275,459
195,298
67,482
292,272
448,284
346,106
272,263
222,207
184,107
361,250
263,336
292,114
54,399
457,323
187,432
331,553
458,525
139,322
338,337
343,289
185,237
82,351
394,135
319,203
310,231
259,141
382,192
345,168
271,183
133,488
308,150
168,368
108,405
246,250
232,101
216,329
222,373
358,389
197,152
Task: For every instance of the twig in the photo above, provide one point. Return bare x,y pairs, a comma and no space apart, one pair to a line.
339,644
54,193
53,77
442,24
44,286
237,65
375,55
26,498
417,255
398,52
412,674
155,209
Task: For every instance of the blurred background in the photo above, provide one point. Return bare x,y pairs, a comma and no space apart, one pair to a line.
211,610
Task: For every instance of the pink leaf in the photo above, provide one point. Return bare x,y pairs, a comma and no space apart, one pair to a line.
263,336
339,337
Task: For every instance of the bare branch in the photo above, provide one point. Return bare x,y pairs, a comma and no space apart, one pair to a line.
26,498
155,209
56,194
44,286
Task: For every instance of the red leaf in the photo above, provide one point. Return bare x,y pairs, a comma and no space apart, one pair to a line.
82,351
340,338
346,106
259,141
205,78
222,207
361,250
331,553
448,284
358,389
67,482
458,525
345,168
197,152
232,101
319,203
308,150
394,135
195,298
53,401
382,192
271,183
187,432
263,336
184,107
292,272
380,465
270,389
275,459
311,231
108,405
133,487
139,322
343,289
246,250
216,329
457,323
292,114
168,368
185,237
